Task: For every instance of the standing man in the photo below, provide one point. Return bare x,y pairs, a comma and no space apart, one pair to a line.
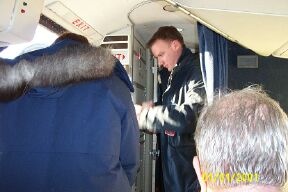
67,121
176,118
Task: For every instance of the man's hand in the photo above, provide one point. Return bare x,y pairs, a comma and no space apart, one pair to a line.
138,109
142,111
147,104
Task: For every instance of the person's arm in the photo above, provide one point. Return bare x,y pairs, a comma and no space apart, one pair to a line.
129,146
129,155
174,117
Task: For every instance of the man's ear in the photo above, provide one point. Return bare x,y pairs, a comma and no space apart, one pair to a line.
196,165
176,44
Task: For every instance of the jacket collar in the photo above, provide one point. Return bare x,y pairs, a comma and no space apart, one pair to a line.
69,64
185,53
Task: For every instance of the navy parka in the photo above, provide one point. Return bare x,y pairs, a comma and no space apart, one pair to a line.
79,137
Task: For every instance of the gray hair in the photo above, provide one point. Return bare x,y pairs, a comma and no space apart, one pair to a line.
243,132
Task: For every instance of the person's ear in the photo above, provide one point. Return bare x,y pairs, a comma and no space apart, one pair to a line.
196,165
175,45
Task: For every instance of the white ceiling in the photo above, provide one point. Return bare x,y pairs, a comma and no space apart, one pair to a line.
260,25
149,17
106,16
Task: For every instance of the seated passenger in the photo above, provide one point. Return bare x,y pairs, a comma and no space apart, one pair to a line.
67,121
242,143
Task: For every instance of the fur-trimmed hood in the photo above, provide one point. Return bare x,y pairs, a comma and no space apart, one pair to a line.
71,64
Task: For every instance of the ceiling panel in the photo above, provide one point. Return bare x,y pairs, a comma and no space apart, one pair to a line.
107,16
149,17
103,15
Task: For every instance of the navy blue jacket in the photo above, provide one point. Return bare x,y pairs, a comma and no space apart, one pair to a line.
73,137
175,120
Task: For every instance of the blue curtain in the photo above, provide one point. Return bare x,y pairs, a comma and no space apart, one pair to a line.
214,60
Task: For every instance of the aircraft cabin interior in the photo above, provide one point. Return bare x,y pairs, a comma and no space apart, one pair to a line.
249,45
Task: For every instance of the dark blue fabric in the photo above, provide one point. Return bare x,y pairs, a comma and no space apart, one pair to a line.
181,104
120,71
214,45
8,61
83,137
2,48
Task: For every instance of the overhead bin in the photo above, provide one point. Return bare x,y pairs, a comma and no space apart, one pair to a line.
18,20
260,25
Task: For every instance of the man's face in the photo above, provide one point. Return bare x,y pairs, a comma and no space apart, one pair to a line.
166,52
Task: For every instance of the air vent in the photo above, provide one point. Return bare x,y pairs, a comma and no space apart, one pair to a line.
247,61
51,25
115,38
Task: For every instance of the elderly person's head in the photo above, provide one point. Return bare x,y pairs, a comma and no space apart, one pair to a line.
242,143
